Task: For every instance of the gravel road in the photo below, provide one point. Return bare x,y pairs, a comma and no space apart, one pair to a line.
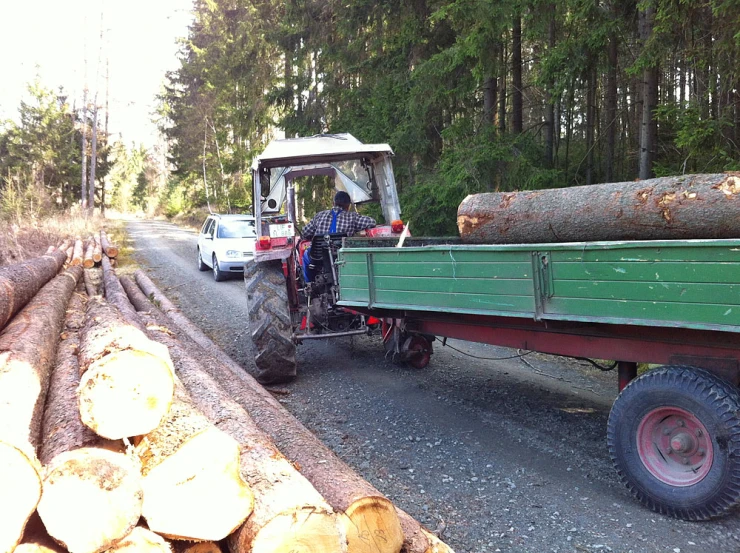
498,455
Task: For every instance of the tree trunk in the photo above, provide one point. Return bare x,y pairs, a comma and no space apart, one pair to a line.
549,100
83,191
685,207
109,249
289,514
516,76
127,384
590,123
141,540
78,252
611,104
116,295
20,282
27,350
93,159
343,489
502,89
648,127
192,486
489,99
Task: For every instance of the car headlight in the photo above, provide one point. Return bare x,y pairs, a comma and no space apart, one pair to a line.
233,253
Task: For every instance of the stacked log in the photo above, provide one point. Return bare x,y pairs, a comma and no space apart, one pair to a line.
369,513
80,467
289,514
127,384
97,249
27,352
87,260
109,249
77,252
142,540
20,282
685,207
116,295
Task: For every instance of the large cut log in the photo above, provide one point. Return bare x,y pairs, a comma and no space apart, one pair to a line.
193,489
685,207
20,282
90,286
289,514
116,295
27,352
78,252
70,253
127,383
87,261
141,540
109,249
82,469
135,295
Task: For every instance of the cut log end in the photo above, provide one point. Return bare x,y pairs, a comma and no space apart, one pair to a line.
372,526
125,394
21,489
92,499
204,467
303,531
141,540
435,544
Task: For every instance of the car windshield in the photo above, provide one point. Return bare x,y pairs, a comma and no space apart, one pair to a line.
241,228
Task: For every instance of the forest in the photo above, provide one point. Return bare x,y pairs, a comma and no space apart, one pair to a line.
472,95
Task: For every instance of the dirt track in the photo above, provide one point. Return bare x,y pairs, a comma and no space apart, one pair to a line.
505,455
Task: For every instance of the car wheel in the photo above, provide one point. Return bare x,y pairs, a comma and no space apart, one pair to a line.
201,266
218,276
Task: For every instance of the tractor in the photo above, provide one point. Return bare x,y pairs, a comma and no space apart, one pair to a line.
287,304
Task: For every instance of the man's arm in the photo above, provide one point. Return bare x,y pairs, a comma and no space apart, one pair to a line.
362,222
309,230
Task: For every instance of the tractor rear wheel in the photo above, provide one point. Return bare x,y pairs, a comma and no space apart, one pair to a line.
269,322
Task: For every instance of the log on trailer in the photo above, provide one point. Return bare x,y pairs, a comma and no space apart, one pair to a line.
20,282
289,514
127,382
666,208
109,249
36,539
193,489
81,468
27,351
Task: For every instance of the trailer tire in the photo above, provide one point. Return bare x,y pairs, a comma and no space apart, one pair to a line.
674,438
270,325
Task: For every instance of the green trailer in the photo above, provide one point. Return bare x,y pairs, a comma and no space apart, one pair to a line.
674,432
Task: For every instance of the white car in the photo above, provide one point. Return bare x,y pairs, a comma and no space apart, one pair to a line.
225,242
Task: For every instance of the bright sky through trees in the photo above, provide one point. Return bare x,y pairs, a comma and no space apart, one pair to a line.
48,38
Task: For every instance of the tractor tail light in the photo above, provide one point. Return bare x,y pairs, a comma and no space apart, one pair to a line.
263,243
397,225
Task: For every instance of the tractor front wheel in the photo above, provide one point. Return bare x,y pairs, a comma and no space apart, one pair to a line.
269,322
674,437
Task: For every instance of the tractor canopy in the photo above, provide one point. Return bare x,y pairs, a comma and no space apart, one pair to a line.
364,171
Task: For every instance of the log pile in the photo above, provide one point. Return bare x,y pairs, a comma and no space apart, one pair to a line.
111,414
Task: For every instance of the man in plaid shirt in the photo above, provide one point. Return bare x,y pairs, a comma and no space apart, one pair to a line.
338,219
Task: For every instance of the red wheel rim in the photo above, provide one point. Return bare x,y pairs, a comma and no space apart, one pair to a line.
675,446
419,352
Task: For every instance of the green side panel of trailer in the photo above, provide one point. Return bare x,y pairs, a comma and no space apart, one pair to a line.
680,283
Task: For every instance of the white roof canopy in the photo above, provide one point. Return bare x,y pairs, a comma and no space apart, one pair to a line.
316,149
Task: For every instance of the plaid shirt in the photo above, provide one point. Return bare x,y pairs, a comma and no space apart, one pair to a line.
348,222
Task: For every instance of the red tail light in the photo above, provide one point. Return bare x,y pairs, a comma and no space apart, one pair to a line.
397,225
263,243
373,321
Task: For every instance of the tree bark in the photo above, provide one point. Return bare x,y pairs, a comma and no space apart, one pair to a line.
289,514
20,282
648,126
116,295
93,159
135,295
78,252
611,103
127,384
83,191
193,489
342,488
685,207
141,540
90,287
27,350
550,101
109,249
502,89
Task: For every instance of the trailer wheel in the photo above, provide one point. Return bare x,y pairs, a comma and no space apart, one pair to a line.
674,438
269,322
418,351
